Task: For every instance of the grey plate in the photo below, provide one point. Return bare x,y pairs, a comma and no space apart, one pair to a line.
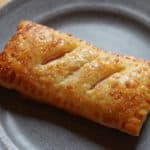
120,26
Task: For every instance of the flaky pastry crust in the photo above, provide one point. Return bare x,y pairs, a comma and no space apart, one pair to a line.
61,70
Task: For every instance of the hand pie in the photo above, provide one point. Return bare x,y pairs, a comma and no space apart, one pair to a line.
61,70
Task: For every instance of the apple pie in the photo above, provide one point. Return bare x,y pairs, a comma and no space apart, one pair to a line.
69,73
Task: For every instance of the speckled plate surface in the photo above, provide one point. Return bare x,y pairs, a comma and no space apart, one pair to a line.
119,26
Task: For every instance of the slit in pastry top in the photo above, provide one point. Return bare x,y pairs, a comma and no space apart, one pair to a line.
61,70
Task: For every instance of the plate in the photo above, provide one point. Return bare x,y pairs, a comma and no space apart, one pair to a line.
113,25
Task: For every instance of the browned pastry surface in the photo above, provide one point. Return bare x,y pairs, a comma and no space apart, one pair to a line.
69,73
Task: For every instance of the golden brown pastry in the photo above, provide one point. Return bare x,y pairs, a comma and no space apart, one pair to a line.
69,73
